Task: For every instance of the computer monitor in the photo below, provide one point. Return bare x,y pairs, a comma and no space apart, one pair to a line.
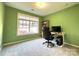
56,29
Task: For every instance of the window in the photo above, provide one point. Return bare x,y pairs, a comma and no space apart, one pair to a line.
27,24
33,27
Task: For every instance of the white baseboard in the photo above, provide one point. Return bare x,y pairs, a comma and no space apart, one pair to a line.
13,42
72,45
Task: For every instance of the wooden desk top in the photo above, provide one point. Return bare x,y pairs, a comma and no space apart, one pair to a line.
58,33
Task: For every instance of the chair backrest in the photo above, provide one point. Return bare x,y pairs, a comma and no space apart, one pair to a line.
46,33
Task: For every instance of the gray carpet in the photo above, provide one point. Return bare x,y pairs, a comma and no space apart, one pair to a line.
35,48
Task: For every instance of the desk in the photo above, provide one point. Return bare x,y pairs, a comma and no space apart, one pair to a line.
58,33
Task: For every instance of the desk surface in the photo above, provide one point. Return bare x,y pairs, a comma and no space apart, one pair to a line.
58,33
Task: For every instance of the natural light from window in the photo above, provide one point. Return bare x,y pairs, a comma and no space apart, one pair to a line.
27,24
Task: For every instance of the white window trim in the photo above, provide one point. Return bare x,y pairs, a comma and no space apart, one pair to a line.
29,24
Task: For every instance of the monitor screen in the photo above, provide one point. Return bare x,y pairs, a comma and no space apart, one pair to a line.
56,29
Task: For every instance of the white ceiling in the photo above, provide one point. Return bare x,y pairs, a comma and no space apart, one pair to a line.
51,7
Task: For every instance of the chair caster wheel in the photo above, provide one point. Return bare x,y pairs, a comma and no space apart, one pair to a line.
50,45
43,43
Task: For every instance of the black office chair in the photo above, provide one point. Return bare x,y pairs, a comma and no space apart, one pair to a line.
48,37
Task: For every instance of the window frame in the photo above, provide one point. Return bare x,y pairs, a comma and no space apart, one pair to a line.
29,16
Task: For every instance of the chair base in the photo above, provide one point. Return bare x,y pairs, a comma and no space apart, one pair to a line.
49,44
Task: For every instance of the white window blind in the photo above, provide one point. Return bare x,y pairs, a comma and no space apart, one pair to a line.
27,24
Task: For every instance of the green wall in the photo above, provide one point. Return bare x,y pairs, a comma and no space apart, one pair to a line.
68,19
1,21
10,26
